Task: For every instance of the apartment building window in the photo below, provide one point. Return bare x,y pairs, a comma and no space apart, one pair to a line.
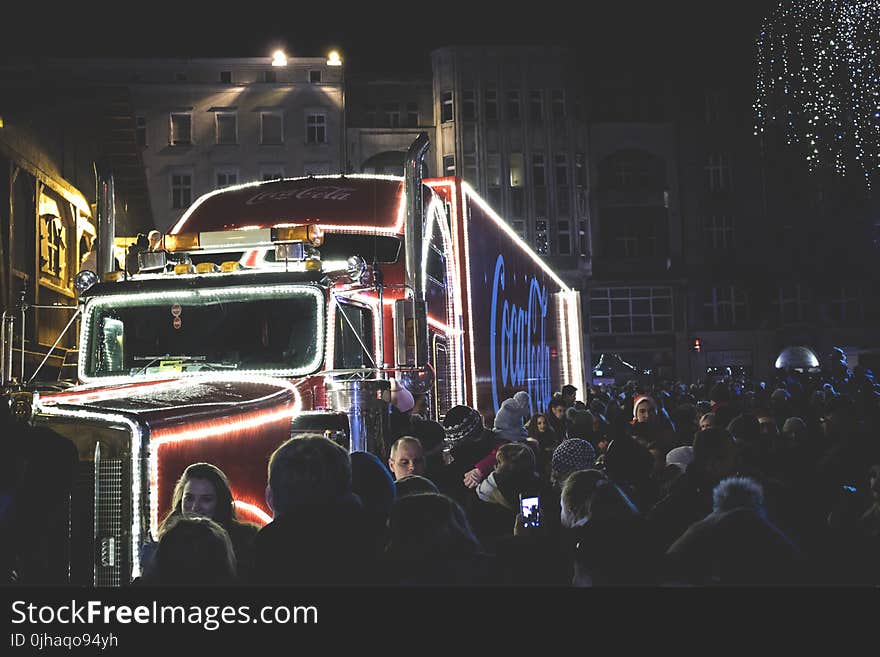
563,202
847,306
449,165
446,108
314,76
469,105
630,172
557,104
226,127
540,201
725,305
270,76
470,168
53,240
412,115
493,169
517,170
271,127
718,172
541,240
790,302
226,177
626,242
516,202
493,179
631,310
181,129
316,128
140,129
181,189
513,108
563,237
560,162
536,106
632,237
226,77
538,177
271,172
392,115
713,104
491,105
519,227
719,232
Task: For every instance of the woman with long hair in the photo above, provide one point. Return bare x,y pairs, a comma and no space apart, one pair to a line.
203,490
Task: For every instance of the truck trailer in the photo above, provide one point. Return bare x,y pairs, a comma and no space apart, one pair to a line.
277,308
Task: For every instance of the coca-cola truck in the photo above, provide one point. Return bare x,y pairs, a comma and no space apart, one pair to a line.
280,307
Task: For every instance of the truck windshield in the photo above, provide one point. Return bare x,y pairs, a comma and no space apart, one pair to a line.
274,329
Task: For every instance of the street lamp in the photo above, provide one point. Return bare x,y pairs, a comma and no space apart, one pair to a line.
279,58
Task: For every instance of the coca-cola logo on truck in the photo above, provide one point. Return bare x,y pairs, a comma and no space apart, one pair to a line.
328,192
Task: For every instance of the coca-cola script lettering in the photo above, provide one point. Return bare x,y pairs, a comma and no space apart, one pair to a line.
327,192
519,334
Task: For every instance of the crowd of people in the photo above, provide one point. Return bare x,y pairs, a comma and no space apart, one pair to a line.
725,482
722,482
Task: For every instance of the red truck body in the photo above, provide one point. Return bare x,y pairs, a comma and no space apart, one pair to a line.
166,368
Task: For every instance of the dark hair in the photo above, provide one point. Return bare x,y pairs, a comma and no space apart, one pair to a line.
193,550
710,444
429,526
745,428
556,401
309,469
515,458
224,513
413,485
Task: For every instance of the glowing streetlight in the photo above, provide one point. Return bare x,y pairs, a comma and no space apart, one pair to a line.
279,58
333,58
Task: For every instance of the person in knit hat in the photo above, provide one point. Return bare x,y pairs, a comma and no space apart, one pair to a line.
680,457
648,428
648,408
401,398
509,420
401,404
469,452
571,455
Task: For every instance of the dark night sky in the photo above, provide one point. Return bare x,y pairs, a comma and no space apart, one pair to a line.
625,34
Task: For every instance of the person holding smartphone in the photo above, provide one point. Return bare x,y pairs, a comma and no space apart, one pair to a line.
499,495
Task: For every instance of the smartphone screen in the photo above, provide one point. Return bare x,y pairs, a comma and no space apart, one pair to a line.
529,511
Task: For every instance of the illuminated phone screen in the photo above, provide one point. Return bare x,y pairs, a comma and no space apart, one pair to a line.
529,510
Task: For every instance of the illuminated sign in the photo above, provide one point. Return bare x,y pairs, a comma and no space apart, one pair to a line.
518,335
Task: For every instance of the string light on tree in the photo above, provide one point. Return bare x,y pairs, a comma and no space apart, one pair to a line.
818,80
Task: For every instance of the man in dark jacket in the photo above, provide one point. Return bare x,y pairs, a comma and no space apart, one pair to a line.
320,533
736,544
690,498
